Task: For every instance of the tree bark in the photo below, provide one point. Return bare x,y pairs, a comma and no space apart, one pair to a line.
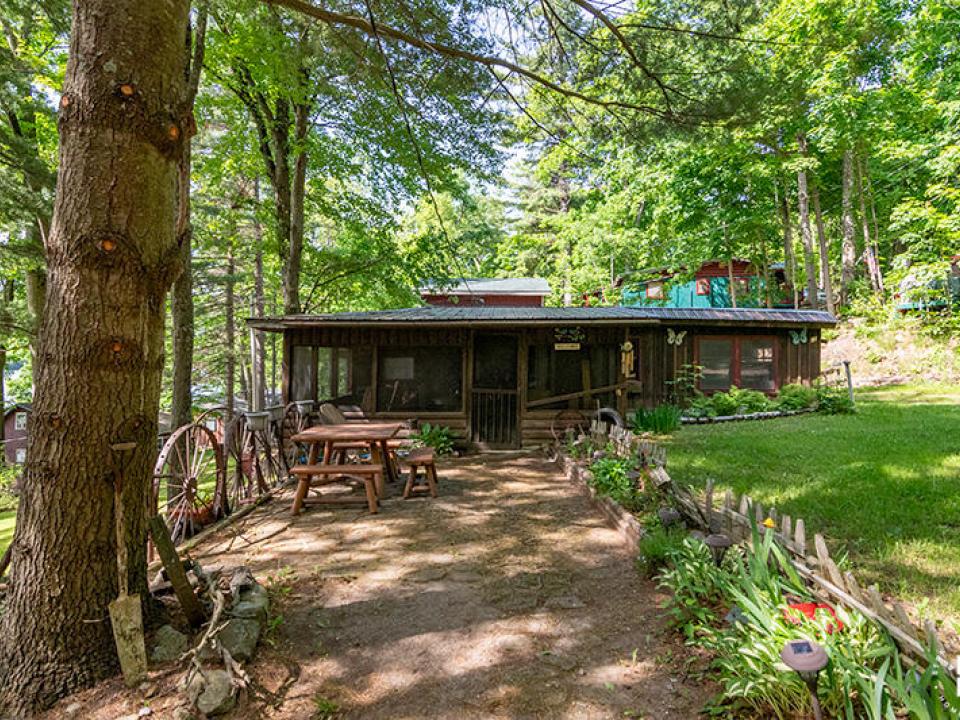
181,299
112,256
258,295
826,280
230,364
848,249
803,207
291,279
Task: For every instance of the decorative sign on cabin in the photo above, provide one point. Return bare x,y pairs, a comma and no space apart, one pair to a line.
628,360
675,337
567,338
799,337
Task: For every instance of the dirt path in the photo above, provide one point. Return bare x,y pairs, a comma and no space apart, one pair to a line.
507,597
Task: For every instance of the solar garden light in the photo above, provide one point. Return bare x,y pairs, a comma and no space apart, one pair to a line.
807,659
718,544
668,516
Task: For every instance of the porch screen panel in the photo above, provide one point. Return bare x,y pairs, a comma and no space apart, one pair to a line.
553,372
757,366
344,375
302,373
420,379
716,359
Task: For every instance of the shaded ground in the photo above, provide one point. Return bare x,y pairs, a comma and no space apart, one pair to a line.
507,597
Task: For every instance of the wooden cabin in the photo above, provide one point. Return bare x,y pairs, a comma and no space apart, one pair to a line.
500,292
500,377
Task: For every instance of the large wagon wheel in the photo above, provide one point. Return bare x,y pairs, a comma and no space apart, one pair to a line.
256,461
189,481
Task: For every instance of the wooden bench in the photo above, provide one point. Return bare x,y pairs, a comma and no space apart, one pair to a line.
421,458
307,477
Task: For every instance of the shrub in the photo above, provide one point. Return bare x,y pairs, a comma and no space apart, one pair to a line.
796,397
740,402
434,436
656,546
611,477
834,401
662,419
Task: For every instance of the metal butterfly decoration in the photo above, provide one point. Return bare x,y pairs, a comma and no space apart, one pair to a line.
674,337
798,337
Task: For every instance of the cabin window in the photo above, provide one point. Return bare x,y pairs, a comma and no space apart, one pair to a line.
655,290
420,379
747,362
20,421
703,286
558,379
742,284
21,456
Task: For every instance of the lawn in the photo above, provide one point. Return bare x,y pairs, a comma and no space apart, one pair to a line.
7,521
883,485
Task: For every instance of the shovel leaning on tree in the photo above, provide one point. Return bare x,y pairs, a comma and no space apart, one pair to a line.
126,615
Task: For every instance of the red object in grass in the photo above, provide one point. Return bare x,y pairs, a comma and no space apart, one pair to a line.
808,610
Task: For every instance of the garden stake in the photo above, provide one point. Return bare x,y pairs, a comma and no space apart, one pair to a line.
807,659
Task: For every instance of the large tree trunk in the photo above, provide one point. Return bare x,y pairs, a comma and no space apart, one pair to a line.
181,299
803,207
848,249
291,278
112,255
826,280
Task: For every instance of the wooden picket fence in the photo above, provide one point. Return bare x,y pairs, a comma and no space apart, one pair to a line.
736,516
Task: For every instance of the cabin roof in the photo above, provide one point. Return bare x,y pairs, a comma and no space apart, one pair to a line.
488,286
441,316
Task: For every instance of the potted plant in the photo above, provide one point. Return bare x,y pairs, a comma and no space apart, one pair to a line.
257,420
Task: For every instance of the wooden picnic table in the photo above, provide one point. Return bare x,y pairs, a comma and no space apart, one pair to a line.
373,435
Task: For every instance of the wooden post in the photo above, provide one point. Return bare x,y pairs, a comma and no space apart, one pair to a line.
846,369
178,577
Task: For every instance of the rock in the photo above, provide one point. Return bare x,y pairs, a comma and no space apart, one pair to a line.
252,604
168,645
564,602
240,636
212,693
73,708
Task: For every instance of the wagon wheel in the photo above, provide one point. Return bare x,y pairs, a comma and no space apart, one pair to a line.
294,422
256,462
567,420
189,481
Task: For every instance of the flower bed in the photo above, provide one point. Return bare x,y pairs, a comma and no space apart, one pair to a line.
745,606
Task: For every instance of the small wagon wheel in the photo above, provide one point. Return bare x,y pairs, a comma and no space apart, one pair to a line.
567,420
294,421
189,481
256,461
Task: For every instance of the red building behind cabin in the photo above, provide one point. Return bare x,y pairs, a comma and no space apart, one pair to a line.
492,292
15,433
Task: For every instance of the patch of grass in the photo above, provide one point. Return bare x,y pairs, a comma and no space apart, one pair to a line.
8,520
883,485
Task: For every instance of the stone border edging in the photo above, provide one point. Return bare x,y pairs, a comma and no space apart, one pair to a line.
768,415
616,516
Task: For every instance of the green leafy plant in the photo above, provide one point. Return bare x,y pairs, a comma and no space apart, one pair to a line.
435,436
796,397
683,388
656,547
833,400
662,419
611,477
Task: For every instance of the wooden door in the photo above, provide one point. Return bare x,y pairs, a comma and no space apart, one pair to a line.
494,398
